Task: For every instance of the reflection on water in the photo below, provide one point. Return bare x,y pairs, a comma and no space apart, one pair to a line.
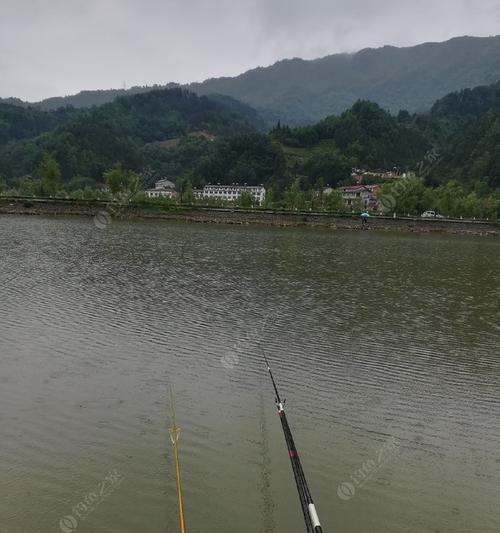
375,339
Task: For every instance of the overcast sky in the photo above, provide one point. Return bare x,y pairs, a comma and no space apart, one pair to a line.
58,47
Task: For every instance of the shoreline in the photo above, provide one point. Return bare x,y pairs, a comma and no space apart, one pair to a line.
204,215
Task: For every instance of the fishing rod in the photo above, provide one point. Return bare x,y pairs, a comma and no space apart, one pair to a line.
174,437
308,508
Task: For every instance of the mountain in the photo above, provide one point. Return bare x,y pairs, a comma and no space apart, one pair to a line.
93,140
96,98
299,92
86,99
200,139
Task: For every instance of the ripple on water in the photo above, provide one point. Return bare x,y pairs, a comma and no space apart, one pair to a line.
374,339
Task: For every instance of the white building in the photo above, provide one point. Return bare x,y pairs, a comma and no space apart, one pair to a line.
164,188
231,193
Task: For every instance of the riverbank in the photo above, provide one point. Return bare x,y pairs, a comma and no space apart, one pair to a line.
105,212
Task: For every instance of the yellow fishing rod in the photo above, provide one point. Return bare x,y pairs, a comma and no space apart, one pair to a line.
174,437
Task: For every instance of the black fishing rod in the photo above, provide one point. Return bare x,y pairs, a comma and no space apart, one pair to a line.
308,508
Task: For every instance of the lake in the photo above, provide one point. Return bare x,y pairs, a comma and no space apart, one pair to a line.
386,346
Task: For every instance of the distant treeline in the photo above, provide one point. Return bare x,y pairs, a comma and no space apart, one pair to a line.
197,140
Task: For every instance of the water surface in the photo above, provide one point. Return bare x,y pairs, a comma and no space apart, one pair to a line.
385,345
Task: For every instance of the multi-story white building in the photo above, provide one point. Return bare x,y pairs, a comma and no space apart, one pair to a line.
164,188
231,193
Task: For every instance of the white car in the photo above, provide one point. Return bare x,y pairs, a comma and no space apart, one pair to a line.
431,214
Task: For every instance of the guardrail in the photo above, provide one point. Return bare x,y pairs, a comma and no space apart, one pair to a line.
236,209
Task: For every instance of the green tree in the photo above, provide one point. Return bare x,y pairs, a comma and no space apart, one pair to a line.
333,202
122,183
472,206
187,196
269,199
28,187
327,167
408,195
450,198
88,193
411,199
246,199
116,179
294,196
50,175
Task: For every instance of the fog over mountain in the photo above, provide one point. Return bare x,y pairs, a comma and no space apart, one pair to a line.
301,91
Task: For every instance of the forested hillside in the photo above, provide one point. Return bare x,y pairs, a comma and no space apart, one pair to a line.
464,128
197,140
469,103
471,154
438,147
20,123
300,92
122,131
366,135
86,99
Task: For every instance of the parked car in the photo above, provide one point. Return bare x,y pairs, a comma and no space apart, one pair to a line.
431,214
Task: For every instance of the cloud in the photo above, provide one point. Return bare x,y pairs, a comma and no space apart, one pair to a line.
309,29
54,47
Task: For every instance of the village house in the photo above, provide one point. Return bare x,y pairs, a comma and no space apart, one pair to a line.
231,193
361,196
164,188
360,175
